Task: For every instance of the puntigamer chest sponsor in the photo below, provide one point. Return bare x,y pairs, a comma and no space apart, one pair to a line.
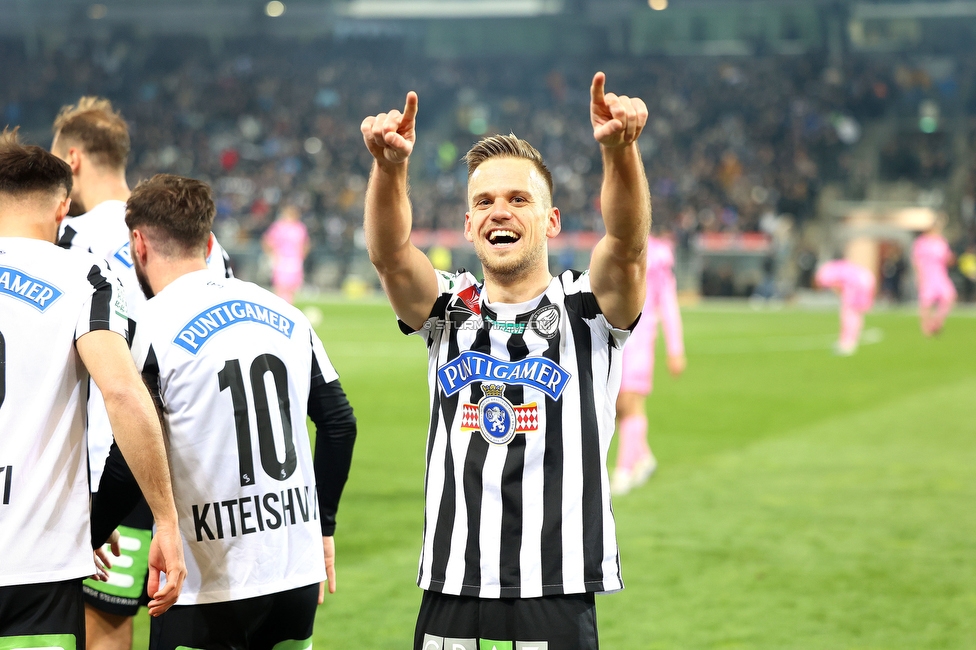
535,372
494,416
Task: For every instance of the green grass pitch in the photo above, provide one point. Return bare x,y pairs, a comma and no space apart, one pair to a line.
803,500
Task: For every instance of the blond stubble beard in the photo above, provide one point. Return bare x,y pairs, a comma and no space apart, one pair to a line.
511,270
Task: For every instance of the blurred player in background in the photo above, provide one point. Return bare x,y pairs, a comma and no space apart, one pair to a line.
62,317
524,370
931,257
635,460
94,140
257,513
855,284
287,243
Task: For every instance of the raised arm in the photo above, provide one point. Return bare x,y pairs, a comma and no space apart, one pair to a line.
619,261
138,434
407,276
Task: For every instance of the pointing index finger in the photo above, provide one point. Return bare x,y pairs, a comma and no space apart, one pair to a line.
596,89
410,109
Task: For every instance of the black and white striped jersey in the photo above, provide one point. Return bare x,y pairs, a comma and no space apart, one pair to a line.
517,498
102,232
49,298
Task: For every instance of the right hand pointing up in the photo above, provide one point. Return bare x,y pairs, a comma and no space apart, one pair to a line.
390,136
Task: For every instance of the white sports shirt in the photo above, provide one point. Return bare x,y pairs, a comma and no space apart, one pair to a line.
232,364
49,298
102,232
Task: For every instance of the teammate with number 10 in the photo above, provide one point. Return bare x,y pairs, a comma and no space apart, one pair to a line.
236,371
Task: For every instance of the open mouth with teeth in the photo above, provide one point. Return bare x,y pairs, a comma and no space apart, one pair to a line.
503,237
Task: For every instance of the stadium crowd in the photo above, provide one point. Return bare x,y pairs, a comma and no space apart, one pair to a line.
728,142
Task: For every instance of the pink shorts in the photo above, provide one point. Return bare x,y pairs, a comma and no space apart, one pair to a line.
936,292
858,299
638,353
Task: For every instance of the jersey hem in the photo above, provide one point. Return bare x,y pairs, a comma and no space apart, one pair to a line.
595,587
20,579
226,596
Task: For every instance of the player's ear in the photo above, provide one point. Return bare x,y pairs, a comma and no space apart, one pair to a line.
74,159
555,224
137,245
62,210
467,227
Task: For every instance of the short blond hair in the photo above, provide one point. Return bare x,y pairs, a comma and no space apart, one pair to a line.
506,146
95,126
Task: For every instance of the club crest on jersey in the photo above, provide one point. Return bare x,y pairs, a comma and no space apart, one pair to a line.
36,292
545,321
496,418
124,255
535,372
496,415
204,325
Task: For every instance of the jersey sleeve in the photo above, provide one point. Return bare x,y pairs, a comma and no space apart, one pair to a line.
322,369
105,307
580,298
335,433
463,286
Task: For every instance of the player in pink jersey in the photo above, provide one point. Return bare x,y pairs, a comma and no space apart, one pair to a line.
287,244
855,284
635,461
936,293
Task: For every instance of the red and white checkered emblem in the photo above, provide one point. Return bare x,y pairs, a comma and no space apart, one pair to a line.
526,418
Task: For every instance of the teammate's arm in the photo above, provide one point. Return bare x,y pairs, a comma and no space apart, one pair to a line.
335,426
134,421
619,260
406,274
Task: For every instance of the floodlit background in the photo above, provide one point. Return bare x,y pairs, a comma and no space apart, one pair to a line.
803,500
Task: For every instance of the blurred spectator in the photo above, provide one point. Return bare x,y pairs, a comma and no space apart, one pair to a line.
893,267
967,268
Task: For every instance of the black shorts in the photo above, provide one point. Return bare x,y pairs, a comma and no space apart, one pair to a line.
254,623
50,614
467,623
129,576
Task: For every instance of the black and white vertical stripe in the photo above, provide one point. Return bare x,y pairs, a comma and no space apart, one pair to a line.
533,517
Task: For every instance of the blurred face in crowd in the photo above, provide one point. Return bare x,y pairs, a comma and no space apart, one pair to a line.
510,217
290,213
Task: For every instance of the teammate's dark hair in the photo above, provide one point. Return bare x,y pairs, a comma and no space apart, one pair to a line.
506,146
176,213
97,128
28,168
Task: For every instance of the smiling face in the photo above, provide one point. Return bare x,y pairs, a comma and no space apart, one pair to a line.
510,218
